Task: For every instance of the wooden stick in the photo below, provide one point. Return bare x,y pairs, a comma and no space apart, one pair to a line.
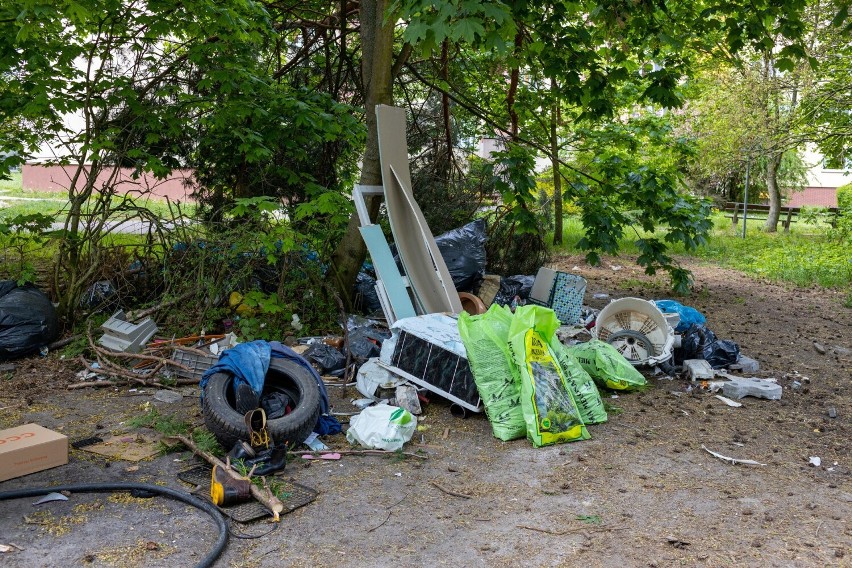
154,309
360,453
63,342
450,492
382,523
95,384
569,531
264,495
536,529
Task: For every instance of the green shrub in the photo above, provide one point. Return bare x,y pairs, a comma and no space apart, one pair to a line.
844,198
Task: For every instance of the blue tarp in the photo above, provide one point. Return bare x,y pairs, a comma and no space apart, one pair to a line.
688,315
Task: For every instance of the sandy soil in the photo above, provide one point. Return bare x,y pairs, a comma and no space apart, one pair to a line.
641,492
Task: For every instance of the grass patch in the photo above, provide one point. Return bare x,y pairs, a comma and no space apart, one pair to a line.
22,201
806,256
169,425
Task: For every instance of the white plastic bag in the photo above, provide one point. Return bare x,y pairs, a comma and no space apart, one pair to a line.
381,427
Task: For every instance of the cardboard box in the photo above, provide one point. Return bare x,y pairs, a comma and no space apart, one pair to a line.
30,448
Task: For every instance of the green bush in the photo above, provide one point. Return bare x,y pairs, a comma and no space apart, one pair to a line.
844,198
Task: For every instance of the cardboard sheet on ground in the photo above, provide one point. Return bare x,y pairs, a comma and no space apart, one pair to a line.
128,447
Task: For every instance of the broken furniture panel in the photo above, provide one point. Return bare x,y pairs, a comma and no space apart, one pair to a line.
560,291
390,286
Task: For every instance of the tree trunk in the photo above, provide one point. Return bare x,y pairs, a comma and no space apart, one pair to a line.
772,163
554,160
376,72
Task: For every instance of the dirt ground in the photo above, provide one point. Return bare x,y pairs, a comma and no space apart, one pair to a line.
641,492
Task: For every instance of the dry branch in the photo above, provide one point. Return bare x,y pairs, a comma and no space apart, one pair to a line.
450,492
263,495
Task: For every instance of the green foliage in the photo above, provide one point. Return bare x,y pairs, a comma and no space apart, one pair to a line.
589,519
634,186
516,228
206,442
169,425
844,199
804,260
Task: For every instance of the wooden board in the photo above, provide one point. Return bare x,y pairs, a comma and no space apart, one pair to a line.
425,267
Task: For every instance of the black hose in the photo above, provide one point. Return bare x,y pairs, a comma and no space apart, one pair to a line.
209,508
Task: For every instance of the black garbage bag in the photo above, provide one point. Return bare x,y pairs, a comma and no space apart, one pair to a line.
365,338
721,353
100,295
27,320
698,342
366,298
463,250
326,358
511,286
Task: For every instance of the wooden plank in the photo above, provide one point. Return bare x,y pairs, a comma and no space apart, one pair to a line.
414,240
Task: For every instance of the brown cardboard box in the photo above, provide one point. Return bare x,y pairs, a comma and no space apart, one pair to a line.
30,448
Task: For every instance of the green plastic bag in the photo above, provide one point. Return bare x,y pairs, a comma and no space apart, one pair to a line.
581,385
549,408
486,340
607,366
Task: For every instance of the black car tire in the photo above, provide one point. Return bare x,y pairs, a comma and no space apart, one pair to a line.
228,426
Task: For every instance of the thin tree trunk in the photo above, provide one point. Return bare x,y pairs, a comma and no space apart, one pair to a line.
554,161
514,78
376,72
772,163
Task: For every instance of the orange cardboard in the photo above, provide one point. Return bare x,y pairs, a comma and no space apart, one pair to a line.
30,448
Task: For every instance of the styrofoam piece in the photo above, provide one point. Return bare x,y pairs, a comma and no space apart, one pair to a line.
742,387
121,335
698,369
745,365
638,329
425,267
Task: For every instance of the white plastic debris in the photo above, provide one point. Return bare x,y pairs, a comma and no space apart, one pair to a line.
729,459
815,461
728,401
50,497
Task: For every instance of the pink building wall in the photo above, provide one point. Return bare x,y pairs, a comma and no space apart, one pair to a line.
814,197
176,187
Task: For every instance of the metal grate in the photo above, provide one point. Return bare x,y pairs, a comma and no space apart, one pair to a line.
300,495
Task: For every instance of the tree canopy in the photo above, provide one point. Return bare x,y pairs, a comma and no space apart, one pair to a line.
275,99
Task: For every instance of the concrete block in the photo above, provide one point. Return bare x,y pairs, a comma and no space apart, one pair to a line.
697,369
745,365
742,387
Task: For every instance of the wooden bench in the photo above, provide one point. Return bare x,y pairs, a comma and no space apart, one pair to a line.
786,214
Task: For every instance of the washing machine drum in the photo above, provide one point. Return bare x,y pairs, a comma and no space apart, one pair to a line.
637,329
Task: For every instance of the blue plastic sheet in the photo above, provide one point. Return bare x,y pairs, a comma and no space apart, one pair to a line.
688,315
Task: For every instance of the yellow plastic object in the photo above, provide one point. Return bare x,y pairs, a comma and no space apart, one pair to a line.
217,492
235,300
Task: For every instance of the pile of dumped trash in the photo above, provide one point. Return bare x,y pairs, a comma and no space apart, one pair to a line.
536,360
